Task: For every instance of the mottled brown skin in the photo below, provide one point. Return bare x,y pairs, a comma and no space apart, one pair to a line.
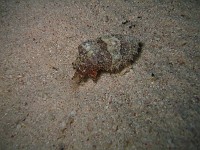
90,66
94,56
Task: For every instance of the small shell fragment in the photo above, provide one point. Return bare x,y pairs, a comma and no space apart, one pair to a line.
110,53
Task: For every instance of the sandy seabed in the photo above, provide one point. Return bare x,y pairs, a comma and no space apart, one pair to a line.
153,105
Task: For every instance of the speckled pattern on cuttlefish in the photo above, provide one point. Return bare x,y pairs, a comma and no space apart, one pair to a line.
106,53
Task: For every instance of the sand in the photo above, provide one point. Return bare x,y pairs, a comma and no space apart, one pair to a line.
153,104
